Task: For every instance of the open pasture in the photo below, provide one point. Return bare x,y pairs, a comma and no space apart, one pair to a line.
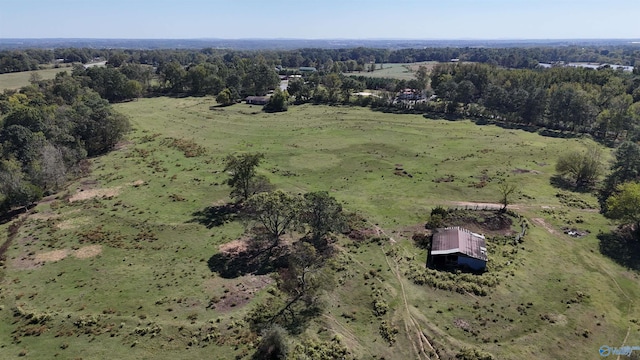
119,264
12,81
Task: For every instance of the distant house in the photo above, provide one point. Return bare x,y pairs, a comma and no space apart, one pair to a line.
257,100
409,94
459,248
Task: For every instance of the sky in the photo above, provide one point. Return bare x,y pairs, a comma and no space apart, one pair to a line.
321,19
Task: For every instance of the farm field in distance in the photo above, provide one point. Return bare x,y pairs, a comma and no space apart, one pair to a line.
17,80
395,70
119,265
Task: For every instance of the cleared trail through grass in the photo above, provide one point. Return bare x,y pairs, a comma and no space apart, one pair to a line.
410,323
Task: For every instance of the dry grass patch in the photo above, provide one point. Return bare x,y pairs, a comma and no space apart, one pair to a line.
86,252
72,223
55,255
234,247
95,193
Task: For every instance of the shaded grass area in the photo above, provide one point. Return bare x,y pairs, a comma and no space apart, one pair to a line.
162,288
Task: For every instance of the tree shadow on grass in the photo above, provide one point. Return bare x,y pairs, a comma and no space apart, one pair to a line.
217,215
622,246
563,183
258,260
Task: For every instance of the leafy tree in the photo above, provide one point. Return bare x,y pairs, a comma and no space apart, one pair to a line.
624,205
98,127
332,83
625,168
278,102
582,167
276,212
16,190
225,97
274,344
242,174
571,107
323,214
173,75
422,75
303,281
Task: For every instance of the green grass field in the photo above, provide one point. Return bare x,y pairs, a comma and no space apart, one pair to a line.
121,271
395,70
17,80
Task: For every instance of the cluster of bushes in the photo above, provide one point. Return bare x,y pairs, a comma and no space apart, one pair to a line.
458,282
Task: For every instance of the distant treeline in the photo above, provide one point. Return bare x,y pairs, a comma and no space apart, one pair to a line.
324,59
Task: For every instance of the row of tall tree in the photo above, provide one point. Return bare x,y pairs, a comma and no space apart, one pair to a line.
604,103
46,130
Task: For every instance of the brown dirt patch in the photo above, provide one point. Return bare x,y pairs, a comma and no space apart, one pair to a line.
234,247
236,293
94,193
544,224
88,251
487,222
25,263
55,255
138,183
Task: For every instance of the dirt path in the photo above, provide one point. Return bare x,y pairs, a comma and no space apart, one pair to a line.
545,225
410,323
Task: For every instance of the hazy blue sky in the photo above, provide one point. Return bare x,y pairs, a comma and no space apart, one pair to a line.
414,19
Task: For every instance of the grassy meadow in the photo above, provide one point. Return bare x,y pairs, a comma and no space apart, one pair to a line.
13,81
119,265
396,70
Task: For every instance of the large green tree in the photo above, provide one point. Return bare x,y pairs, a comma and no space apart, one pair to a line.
274,212
242,174
581,167
278,102
323,214
624,205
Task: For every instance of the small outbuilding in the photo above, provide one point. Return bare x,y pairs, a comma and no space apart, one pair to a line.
257,100
455,247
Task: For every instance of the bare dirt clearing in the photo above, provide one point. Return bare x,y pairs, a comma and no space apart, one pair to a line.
234,247
238,294
90,194
88,251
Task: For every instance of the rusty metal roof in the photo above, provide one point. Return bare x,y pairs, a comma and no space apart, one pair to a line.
458,240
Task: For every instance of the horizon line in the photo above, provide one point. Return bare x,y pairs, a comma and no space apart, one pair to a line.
321,39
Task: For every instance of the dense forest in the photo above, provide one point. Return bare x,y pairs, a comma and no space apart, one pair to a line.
47,131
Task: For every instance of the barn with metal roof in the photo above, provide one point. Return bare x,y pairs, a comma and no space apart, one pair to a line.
459,248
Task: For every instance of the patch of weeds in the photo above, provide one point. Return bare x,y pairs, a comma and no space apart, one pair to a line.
388,332
99,235
573,201
380,306
458,282
188,147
